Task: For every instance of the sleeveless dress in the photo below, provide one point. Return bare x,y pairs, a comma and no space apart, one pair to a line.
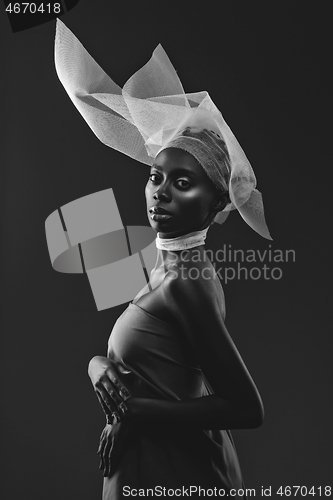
154,360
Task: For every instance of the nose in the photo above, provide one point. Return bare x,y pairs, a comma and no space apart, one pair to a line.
161,194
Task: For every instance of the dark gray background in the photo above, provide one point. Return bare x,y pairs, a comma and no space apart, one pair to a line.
264,65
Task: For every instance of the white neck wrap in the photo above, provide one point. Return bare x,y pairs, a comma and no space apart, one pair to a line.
184,242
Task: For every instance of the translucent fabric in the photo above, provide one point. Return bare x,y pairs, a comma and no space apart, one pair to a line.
151,109
183,242
210,151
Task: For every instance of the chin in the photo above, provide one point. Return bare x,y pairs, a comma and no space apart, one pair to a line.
165,224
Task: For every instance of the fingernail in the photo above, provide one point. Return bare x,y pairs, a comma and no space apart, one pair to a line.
116,416
124,391
123,407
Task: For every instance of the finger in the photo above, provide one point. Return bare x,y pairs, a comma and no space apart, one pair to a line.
122,408
109,458
106,410
121,390
103,446
101,440
112,391
116,417
124,393
108,401
103,405
107,455
100,445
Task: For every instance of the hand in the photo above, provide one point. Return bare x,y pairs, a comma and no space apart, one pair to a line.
109,389
112,442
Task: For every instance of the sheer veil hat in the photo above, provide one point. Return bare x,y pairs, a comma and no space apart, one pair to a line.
150,111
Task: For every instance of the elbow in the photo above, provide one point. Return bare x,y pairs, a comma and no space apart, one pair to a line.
251,414
256,420
256,415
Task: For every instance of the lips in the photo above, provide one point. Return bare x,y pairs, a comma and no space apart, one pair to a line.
158,210
160,217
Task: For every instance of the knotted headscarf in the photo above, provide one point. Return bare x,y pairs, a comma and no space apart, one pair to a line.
209,150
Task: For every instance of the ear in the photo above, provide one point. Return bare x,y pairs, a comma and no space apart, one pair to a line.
221,202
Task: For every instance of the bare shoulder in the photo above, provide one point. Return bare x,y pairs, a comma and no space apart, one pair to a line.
194,286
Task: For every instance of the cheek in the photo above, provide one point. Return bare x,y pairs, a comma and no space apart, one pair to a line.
148,192
195,202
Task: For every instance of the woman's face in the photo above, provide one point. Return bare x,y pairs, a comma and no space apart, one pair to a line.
183,189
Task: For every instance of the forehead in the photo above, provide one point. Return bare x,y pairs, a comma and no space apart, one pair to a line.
176,159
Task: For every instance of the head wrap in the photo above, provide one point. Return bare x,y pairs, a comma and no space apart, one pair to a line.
151,111
209,150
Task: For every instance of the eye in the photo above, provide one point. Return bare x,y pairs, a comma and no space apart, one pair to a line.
151,178
187,184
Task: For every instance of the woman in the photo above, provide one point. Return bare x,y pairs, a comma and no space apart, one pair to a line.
172,378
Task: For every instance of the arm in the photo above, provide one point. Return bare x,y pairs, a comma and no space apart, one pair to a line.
207,412
236,403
